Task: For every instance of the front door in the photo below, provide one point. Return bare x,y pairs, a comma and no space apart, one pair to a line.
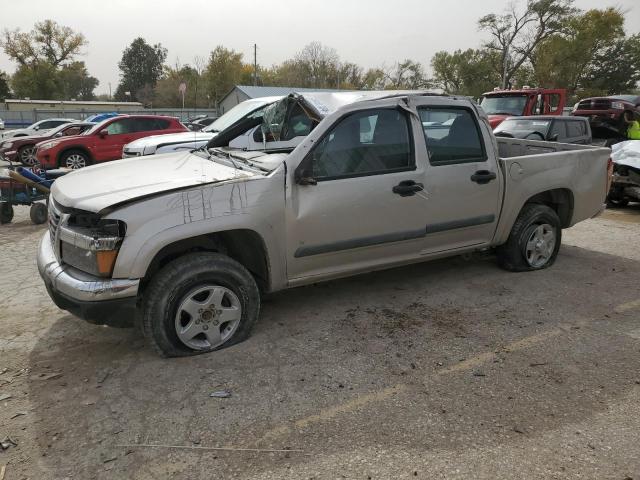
119,133
358,202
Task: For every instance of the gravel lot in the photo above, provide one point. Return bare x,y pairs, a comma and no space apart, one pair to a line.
453,369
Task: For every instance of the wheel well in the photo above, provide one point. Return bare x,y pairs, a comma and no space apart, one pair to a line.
70,149
244,246
560,200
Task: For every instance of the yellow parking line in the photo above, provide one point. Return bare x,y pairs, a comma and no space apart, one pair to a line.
378,396
625,307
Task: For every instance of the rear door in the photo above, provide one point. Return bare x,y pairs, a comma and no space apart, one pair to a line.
463,182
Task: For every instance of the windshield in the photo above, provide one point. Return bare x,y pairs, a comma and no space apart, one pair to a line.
505,105
233,115
523,126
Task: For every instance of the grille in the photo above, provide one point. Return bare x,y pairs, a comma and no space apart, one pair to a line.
129,154
594,105
54,219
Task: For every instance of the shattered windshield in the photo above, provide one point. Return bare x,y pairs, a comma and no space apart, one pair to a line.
285,120
506,105
233,115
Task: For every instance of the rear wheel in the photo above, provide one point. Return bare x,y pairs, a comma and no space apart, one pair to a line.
6,212
199,303
27,155
534,241
616,202
74,159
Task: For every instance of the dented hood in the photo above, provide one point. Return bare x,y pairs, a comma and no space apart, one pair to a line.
101,186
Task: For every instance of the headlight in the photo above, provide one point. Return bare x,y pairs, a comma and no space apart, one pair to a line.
617,105
48,145
91,244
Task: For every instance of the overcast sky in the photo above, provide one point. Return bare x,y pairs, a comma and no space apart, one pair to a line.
368,32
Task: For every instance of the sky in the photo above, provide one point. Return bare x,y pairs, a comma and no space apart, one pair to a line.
367,32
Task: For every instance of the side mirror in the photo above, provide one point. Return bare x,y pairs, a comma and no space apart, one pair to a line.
103,133
59,134
37,127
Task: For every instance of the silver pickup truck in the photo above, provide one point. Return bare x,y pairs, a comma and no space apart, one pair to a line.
188,242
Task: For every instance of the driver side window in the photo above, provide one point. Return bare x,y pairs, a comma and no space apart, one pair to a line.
119,127
365,143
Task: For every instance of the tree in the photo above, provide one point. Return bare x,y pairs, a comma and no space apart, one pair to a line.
515,35
470,72
223,71
47,67
5,92
318,64
141,67
47,41
167,92
616,69
407,75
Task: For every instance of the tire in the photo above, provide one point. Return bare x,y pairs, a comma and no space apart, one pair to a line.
534,241
188,284
27,155
38,213
74,159
616,202
6,212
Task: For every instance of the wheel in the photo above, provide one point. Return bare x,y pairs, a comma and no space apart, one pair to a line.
534,240
616,202
535,134
74,159
27,155
6,212
199,303
38,213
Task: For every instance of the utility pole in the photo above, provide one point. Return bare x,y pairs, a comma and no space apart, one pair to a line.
110,97
255,65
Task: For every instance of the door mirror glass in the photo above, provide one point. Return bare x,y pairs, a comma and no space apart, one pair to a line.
103,133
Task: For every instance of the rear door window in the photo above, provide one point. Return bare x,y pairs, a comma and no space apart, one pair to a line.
452,135
558,132
147,124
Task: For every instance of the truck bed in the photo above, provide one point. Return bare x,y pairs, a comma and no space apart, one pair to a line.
530,167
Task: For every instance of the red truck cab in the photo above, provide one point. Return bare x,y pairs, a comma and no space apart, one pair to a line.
501,104
103,142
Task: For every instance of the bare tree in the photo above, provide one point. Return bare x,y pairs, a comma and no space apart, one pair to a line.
515,35
319,62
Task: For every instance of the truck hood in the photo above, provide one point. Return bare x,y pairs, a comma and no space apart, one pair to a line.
101,186
155,140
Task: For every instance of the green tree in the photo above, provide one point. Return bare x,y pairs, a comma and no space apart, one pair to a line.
167,92
516,34
470,72
5,92
74,81
224,70
407,75
141,67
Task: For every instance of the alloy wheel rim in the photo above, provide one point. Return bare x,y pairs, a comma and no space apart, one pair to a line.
540,245
75,161
28,156
207,317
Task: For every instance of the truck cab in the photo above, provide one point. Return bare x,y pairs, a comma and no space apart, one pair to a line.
501,104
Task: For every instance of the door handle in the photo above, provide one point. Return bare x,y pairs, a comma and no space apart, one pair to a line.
483,176
406,188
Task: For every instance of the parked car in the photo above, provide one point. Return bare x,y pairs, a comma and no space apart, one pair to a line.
606,115
99,117
199,123
501,104
23,149
1,124
39,127
191,241
104,141
546,127
191,140
625,186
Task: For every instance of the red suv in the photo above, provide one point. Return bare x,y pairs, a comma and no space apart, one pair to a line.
103,142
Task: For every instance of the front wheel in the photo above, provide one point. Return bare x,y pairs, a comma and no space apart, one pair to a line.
199,303
534,241
38,213
74,159
27,155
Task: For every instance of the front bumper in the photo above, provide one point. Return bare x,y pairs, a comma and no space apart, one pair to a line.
94,299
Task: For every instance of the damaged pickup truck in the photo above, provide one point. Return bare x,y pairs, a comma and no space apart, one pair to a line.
342,183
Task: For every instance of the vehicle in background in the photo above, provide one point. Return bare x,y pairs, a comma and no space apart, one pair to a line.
186,243
606,115
625,186
198,124
1,124
41,126
191,140
23,149
104,141
550,128
100,117
501,104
